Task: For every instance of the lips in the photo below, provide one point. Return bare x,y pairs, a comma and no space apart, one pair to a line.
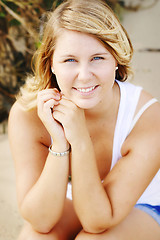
86,90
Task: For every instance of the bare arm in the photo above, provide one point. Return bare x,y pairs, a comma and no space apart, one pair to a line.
89,197
41,177
101,206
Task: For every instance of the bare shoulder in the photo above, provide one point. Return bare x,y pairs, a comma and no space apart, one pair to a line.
144,98
144,138
27,135
25,125
29,141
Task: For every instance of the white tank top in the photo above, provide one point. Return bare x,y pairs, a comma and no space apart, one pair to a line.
125,123
129,97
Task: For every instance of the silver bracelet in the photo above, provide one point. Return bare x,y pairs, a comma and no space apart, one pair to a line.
59,154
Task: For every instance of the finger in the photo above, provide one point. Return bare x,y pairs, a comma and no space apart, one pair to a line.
66,102
49,90
58,116
68,105
47,97
59,108
47,94
49,106
46,107
51,103
43,98
64,97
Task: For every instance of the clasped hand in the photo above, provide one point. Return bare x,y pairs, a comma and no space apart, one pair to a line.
62,118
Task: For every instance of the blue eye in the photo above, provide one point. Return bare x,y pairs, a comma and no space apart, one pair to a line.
98,58
70,60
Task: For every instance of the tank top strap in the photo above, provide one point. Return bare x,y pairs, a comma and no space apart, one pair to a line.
141,111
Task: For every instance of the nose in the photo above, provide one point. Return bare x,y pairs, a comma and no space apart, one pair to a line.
84,73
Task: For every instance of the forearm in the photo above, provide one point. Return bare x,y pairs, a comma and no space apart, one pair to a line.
43,204
90,199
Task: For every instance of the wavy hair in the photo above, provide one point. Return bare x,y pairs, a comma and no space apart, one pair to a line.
93,17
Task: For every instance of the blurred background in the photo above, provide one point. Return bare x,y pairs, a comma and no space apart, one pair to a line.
21,30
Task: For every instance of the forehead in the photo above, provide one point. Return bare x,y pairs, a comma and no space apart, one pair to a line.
69,40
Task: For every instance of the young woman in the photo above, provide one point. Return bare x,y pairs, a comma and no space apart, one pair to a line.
74,121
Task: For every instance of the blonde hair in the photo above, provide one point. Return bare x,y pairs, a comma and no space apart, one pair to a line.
93,17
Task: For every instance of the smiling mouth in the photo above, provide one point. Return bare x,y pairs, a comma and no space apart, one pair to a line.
86,90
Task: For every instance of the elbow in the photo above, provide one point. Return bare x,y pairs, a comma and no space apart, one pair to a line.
97,221
96,226
41,222
43,228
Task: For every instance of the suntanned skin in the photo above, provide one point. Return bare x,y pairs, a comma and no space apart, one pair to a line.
98,210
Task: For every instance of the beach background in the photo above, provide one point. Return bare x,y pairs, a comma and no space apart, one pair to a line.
143,28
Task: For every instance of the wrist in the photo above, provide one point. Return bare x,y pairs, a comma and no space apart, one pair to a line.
59,146
59,154
81,142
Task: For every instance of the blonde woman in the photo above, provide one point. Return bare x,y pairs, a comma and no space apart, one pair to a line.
86,146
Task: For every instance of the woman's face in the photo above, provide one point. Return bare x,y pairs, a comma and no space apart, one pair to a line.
84,68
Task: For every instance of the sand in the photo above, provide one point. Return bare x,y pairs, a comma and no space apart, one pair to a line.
10,220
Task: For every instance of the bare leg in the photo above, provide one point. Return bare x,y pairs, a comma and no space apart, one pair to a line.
66,229
137,226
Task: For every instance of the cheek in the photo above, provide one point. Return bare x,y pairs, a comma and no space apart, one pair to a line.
107,75
64,82
64,76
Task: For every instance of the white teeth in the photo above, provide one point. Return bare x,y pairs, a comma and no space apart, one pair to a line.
85,90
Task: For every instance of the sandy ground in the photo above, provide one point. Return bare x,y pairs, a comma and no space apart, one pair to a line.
143,27
144,31
10,220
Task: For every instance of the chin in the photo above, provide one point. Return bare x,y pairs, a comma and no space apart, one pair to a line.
86,104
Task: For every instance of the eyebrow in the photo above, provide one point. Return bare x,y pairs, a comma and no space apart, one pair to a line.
102,53
70,55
